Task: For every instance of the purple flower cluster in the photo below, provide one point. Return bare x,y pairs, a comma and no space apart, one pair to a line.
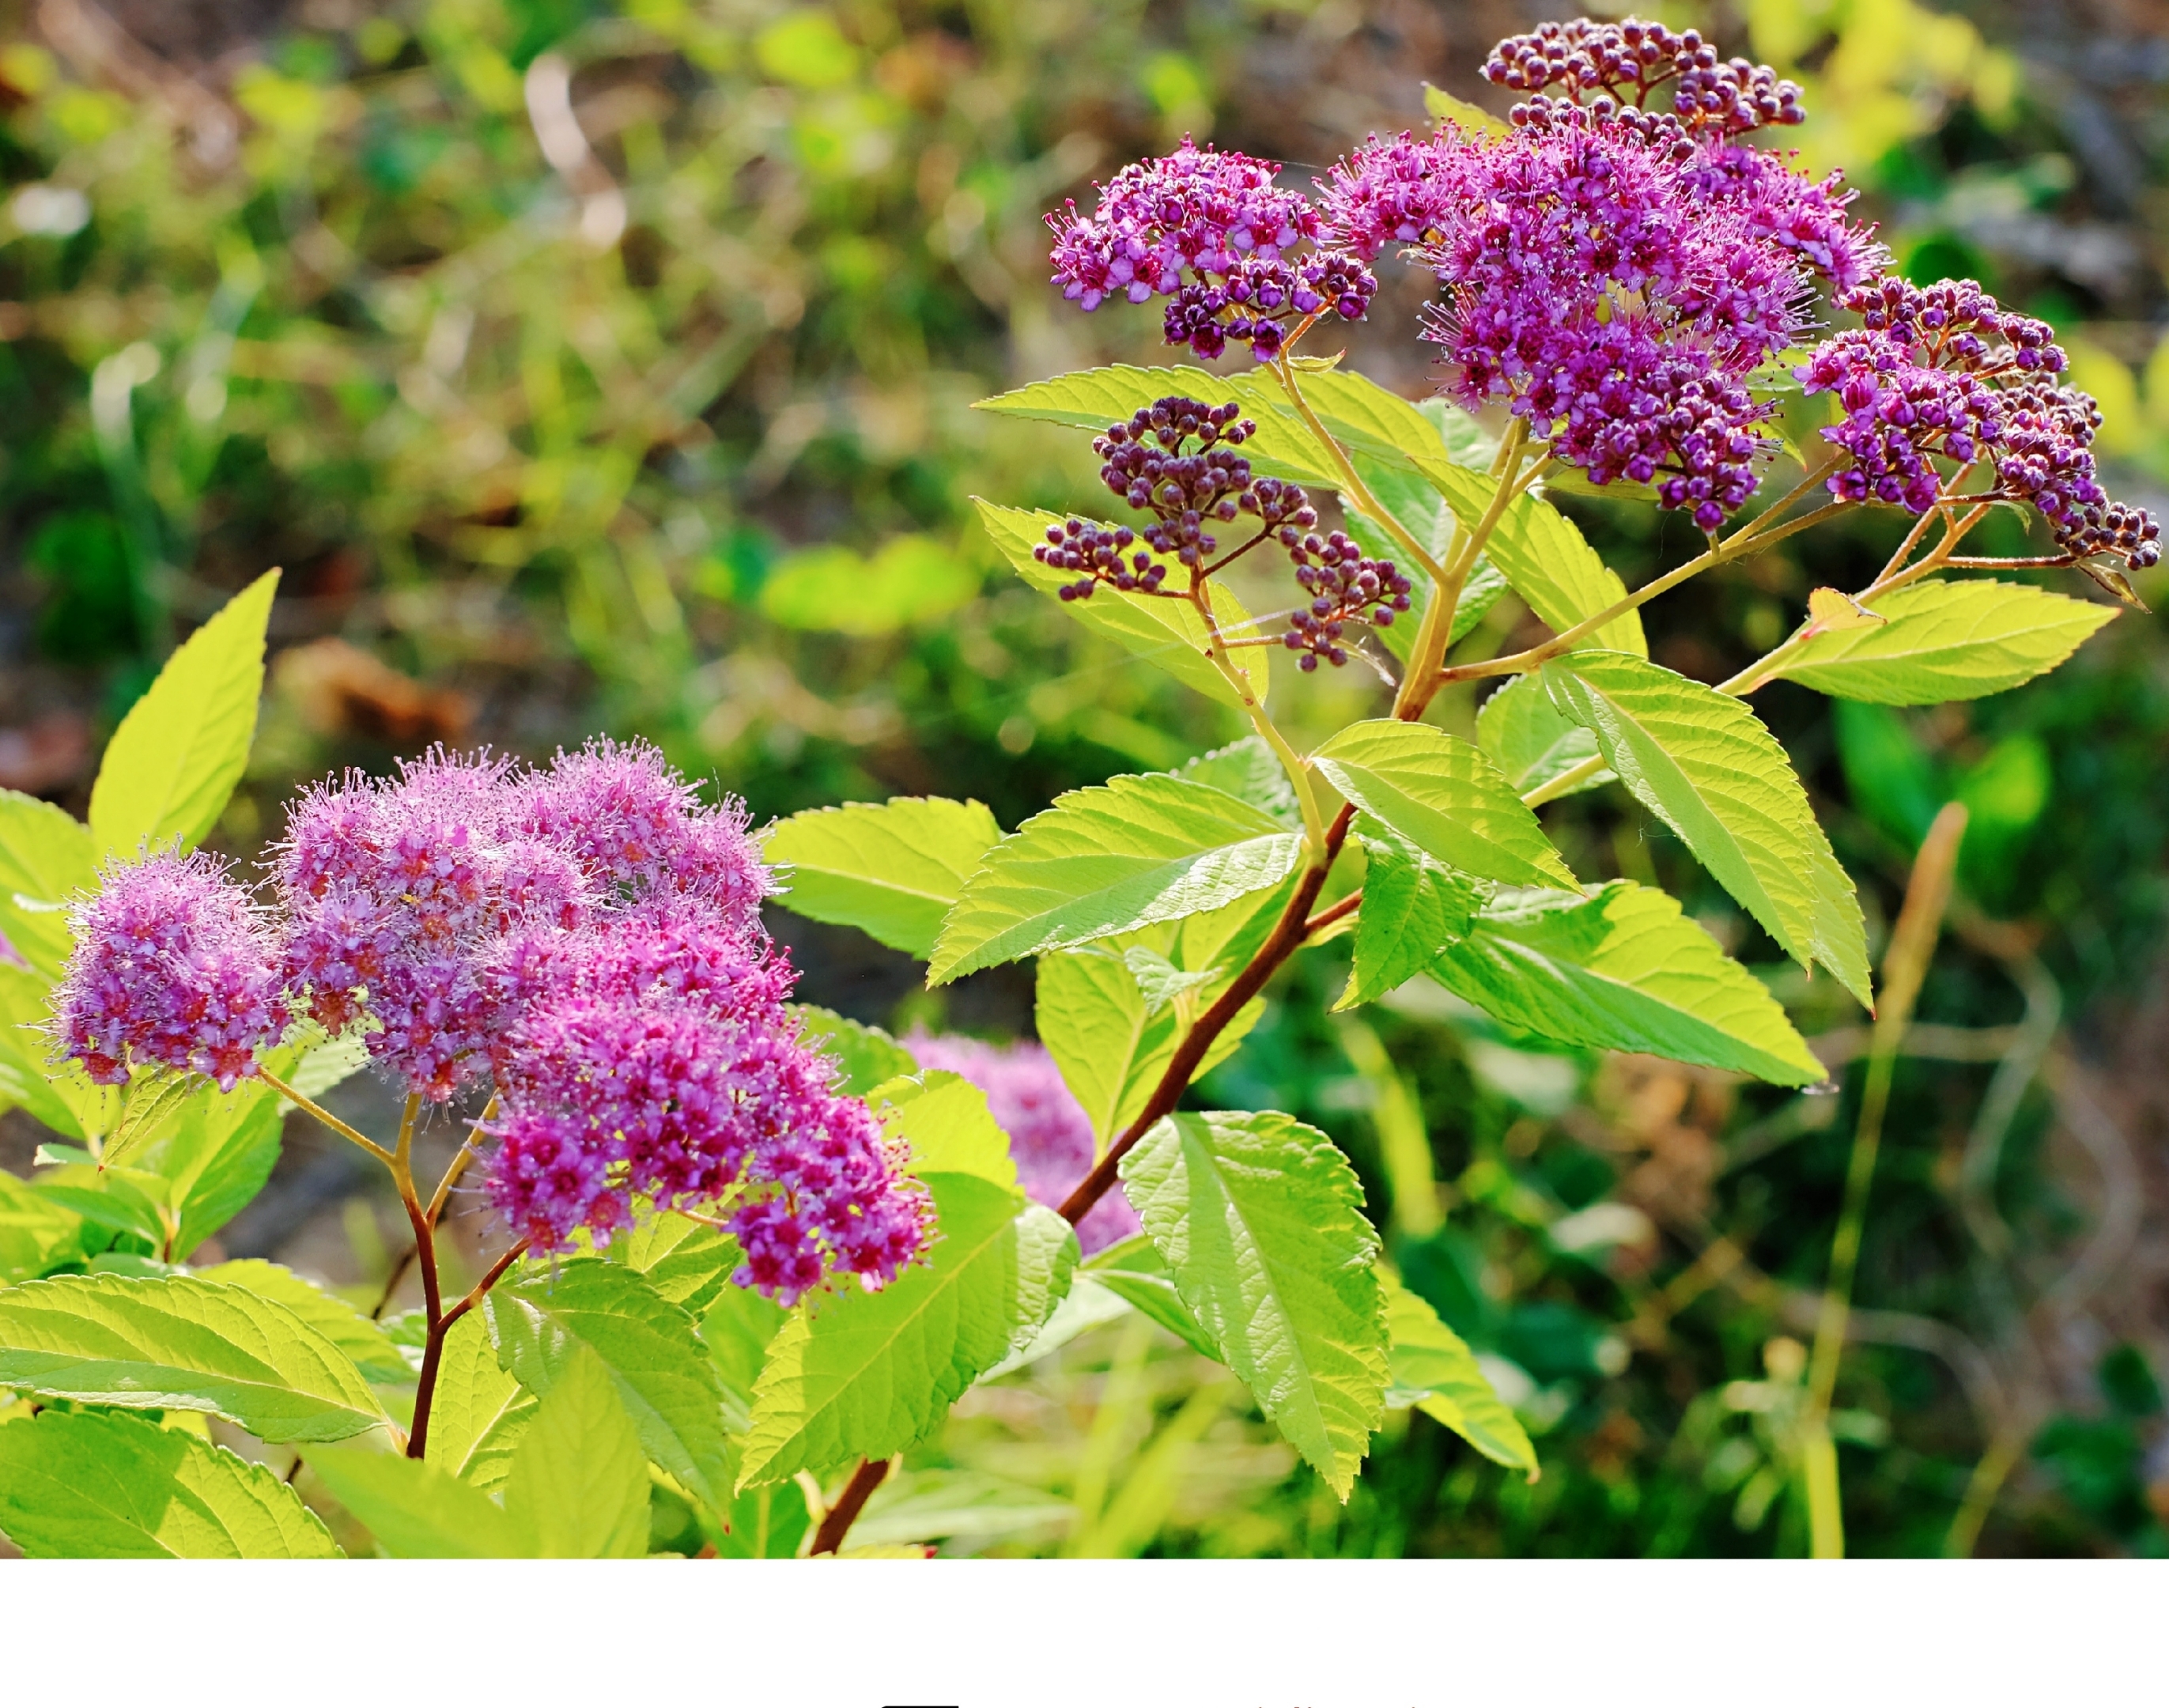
1614,274
1943,376
1594,285
1050,1134
585,939
174,966
1235,255
1624,62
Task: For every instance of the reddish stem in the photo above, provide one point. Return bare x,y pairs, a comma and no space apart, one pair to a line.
857,1491
1287,936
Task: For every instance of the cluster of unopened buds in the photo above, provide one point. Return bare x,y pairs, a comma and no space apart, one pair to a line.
581,942
1345,587
1628,60
1174,458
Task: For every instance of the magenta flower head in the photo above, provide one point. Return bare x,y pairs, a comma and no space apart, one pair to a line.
655,1062
1050,1134
1617,264
1235,255
1938,377
173,965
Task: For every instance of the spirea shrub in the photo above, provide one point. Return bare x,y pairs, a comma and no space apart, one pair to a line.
748,1252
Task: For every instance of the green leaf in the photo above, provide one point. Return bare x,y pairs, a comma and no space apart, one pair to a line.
1104,860
177,755
738,1328
480,1411
1432,1368
1465,113
1469,443
416,1511
62,1097
1524,735
765,1524
1135,1272
1445,797
1704,763
76,1485
35,1232
892,870
1257,1217
64,1100
214,1150
1412,908
578,1487
944,1119
687,1261
151,1098
869,1373
1623,969
1564,477
354,1334
1163,630
324,1062
182,1343
113,1198
1097,397
651,1347
1360,413
46,858
865,1055
1946,640
1252,772
1087,1305
1109,1041
1543,557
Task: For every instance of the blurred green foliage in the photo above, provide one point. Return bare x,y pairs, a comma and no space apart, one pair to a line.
608,367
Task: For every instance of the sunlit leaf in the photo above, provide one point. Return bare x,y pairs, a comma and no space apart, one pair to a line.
1103,861
892,870
86,1486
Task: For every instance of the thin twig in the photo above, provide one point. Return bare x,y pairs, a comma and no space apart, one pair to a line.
310,1105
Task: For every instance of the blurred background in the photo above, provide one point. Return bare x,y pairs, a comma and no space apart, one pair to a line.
597,366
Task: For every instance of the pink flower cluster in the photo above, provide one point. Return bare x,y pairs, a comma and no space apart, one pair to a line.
1050,1134
173,966
1211,232
584,940
1941,376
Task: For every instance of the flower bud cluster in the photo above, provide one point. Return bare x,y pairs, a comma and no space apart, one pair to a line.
1151,463
173,967
1050,1134
1623,62
584,940
1210,231
1345,587
1942,376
